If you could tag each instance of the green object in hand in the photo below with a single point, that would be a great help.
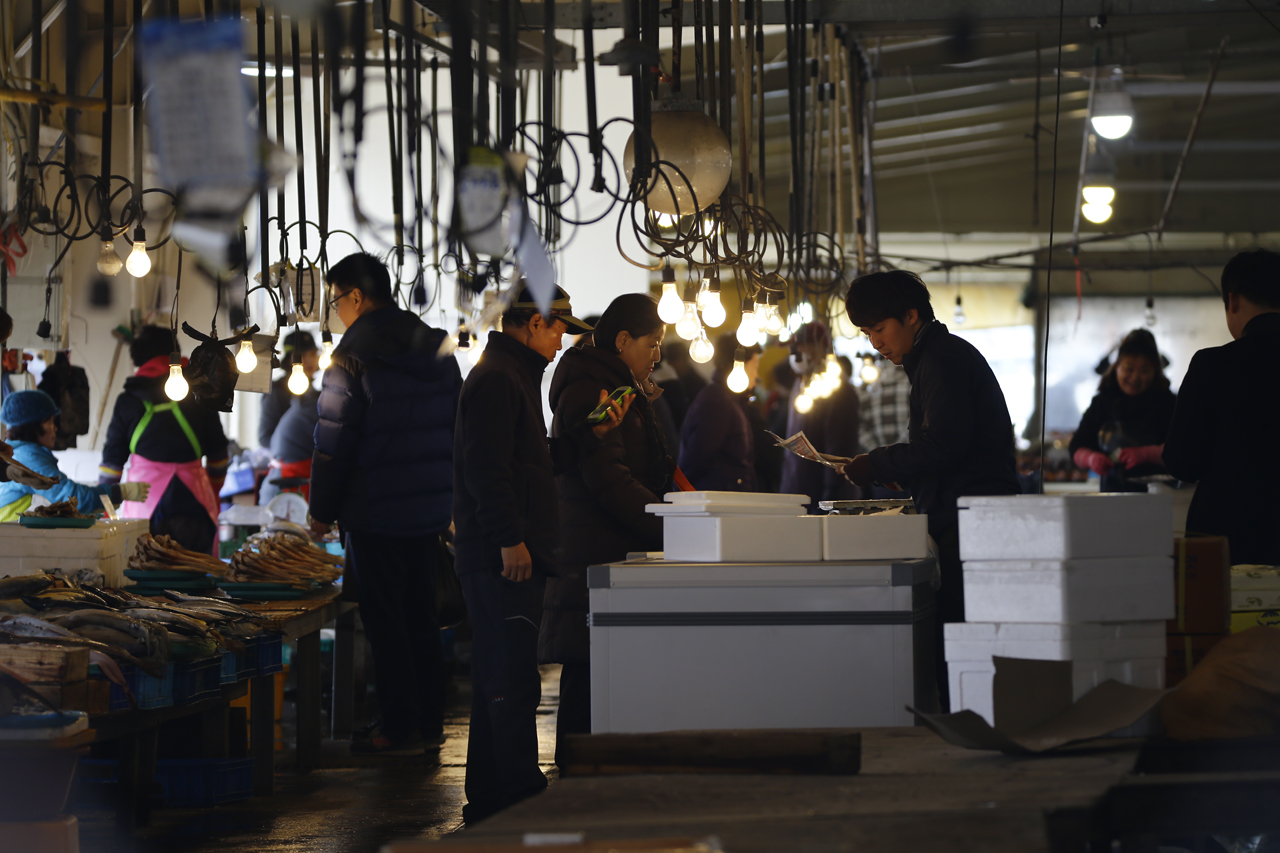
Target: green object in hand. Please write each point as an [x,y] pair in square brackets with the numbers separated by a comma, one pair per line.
[601,412]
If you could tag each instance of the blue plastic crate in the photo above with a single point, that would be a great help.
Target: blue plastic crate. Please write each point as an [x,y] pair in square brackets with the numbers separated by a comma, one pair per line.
[194,681]
[191,782]
[149,691]
[230,671]
[270,655]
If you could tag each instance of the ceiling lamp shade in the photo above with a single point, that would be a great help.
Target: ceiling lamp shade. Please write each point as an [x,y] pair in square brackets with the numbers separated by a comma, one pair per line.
[1112,113]
[685,136]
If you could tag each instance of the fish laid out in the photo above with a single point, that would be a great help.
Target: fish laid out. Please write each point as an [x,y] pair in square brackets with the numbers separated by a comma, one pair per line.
[283,558]
[162,553]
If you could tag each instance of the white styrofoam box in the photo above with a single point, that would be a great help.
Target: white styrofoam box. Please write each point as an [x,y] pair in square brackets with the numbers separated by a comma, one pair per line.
[106,546]
[738,539]
[1125,589]
[710,509]
[735,498]
[875,537]
[1059,527]
[971,682]
[980,641]
[1255,587]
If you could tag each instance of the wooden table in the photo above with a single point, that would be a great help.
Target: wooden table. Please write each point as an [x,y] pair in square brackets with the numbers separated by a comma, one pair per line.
[299,621]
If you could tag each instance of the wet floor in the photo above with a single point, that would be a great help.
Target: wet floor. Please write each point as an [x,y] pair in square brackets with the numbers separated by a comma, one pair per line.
[349,805]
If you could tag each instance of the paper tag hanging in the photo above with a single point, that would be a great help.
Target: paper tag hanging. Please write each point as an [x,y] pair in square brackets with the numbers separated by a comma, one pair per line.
[482,199]
[531,258]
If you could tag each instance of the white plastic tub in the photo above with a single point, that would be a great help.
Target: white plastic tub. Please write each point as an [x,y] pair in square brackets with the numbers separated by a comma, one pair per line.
[1060,527]
[875,537]
[1127,589]
[740,539]
[106,546]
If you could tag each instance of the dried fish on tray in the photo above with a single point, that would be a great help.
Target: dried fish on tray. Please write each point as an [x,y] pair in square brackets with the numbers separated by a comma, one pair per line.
[69,508]
[282,558]
[161,553]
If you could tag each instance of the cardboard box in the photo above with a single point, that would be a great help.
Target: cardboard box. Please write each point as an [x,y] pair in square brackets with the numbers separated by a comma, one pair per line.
[60,835]
[1185,652]
[47,664]
[1202,586]
[1243,620]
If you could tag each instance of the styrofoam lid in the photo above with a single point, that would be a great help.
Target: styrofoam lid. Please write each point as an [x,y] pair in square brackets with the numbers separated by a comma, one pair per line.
[735,497]
[1051,631]
[723,509]
[1023,502]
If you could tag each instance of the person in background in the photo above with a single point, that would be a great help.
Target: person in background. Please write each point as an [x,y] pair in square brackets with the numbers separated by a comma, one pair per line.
[604,486]
[1128,418]
[507,532]
[1225,425]
[717,446]
[177,447]
[961,435]
[831,424]
[382,471]
[29,416]
[885,415]
[276,402]
[679,377]
[6,329]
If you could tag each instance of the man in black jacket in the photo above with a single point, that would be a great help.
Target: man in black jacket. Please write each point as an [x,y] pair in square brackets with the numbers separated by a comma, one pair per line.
[382,470]
[505,515]
[1227,420]
[961,434]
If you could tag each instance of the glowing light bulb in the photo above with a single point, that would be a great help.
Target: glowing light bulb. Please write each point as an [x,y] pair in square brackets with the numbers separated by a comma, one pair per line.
[958,315]
[473,354]
[465,341]
[246,358]
[109,262]
[833,368]
[869,373]
[702,350]
[1096,213]
[775,325]
[804,404]
[670,306]
[713,313]
[1149,316]
[1099,194]
[688,326]
[704,293]
[175,387]
[139,262]
[748,329]
[298,382]
[326,355]
[1112,127]
[738,380]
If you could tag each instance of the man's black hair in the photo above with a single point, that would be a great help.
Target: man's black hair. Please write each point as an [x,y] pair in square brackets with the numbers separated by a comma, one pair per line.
[149,342]
[880,296]
[726,347]
[1255,275]
[366,272]
[300,341]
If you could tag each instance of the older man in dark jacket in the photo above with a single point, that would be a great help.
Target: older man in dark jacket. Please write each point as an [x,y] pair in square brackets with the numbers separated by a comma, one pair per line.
[383,470]
[961,434]
[1225,426]
[507,532]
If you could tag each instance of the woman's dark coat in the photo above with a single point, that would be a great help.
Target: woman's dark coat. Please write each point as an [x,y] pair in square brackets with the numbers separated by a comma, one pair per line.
[603,487]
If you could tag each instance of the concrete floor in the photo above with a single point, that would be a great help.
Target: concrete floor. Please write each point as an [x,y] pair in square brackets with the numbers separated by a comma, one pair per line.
[350,805]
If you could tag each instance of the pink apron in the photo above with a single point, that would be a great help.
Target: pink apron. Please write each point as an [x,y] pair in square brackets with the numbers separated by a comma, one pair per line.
[158,474]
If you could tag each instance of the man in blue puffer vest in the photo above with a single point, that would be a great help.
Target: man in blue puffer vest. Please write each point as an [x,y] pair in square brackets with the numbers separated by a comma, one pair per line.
[383,470]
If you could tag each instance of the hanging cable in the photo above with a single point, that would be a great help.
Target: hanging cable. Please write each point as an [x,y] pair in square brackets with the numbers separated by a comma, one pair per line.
[1048,273]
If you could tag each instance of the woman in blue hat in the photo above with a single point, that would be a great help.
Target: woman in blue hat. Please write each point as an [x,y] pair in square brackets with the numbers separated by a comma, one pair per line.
[31,433]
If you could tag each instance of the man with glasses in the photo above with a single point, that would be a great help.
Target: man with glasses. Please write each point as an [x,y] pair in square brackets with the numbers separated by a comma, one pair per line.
[383,470]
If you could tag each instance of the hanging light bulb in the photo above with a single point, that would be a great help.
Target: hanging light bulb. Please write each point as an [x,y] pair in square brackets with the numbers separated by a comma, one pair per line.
[465,341]
[869,373]
[246,358]
[774,325]
[1149,316]
[713,313]
[1099,194]
[1096,213]
[702,350]
[748,330]
[958,315]
[670,306]
[326,349]
[109,262]
[804,404]
[473,355]
[1112,112]
[298,382]
[738,380]
[175,387]
[704,292]
[139,262]
[688,326]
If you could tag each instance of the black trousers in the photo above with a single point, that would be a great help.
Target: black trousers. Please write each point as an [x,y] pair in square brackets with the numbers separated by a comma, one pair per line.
[502,752]
[396,579]
[950,605]
[574,717]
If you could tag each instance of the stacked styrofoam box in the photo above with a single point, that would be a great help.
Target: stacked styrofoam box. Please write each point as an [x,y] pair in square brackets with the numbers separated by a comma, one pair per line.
[106,546]
[880,536]
[1080,578]
[738,527]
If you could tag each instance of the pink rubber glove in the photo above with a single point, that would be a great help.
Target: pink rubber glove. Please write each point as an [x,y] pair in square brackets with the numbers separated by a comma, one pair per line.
[1097,462]
[1132,457]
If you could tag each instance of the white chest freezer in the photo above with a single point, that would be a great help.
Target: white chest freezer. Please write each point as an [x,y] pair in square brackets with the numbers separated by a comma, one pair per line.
[683,645]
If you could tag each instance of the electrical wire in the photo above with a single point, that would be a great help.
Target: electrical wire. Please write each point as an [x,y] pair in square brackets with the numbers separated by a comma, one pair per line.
[1048,275]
